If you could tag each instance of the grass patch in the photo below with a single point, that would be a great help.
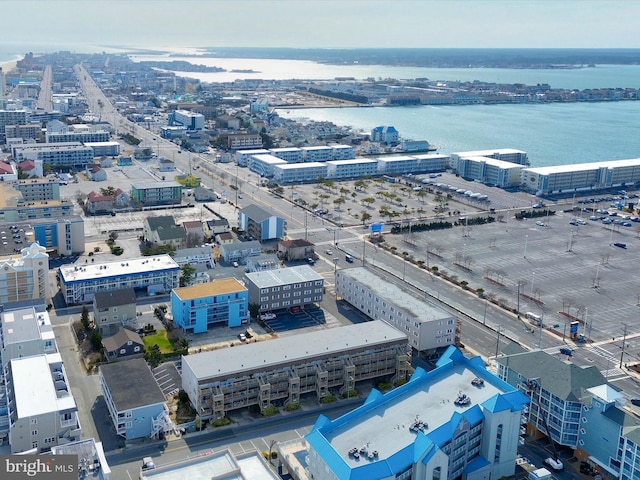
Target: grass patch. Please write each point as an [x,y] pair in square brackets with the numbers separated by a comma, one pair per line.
[270,410]
[221,422]
[159,339]
[292,406]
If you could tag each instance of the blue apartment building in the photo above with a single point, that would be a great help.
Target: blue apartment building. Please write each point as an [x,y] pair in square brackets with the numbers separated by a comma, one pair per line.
[197,307]
[456,421]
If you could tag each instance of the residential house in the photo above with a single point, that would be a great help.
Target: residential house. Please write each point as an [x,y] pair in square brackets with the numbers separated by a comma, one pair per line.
[97,203]
[260,223]
[162,230]
[125,344]
[227,238]
[297,249]
[113,309]
[8,172]
[135,402]
[195,256]
[96,173]
[166,165]
[239,251]
[194,232]
[215,226]
[30,167]
[197,307]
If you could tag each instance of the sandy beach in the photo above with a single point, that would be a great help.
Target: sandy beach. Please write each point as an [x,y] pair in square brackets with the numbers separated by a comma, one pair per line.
[8,66]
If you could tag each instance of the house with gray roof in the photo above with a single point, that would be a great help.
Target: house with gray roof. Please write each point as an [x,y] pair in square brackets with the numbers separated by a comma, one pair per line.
[239,251]
[126,344]
[113,309]
[135,402]
[261,224]
[162,230]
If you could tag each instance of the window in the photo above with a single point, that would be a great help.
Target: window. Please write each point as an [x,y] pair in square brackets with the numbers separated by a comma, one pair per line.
[296,294]
[264,290]
[286,287]
[307,292]
[122,351]
[34,444]
[318,282]
[34,421]
[136,349]
[34,433]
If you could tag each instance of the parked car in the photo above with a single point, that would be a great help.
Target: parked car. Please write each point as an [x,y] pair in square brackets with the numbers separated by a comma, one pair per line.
[267,316]
[147,463]
[242,337]
[554,463]
[349,259]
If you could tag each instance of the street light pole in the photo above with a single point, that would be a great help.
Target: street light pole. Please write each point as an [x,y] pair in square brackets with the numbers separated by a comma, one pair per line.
[484,317]
[526,240]
[498,341]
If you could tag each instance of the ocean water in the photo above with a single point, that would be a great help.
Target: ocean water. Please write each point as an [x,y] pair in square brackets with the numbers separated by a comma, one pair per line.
[551,134]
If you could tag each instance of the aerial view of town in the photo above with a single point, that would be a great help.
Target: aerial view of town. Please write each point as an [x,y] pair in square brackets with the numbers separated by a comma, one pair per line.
[197,281]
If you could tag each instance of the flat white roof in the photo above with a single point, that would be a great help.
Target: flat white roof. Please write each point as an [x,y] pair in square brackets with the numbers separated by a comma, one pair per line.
[429,156]
[283,276]
[317,147]
[294,166]
[25,324]
[89,271]
[294,349]
[495,162]
[418,308]
[33,387]
[149,185]
[432,404]
[267,158]
[578,167]
[286,149]
[353,161]
[101,144]
[400,158]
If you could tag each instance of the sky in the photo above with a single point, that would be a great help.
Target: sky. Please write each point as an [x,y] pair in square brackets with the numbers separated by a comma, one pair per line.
[79,24]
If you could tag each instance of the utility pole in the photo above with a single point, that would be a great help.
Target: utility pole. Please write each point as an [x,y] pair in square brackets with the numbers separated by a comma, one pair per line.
[498,341]
[540,333]
[624,340]
[518,304]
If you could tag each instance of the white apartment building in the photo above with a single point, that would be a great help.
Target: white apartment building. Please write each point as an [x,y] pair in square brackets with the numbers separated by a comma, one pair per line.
[25,276]
[289,154]
[490,171]
[343,169]
[426,325]
[77,136]
[299,172]
[186,118]
[343,152]
[505,154]
[398,165]
[72,154]
[42,410]
[320,153]
[263,164]
[242,156]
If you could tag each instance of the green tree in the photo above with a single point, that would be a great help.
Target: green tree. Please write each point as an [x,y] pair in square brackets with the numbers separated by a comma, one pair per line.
[267,140]
[365,216]
[153,356]
[187,274]
[254,310]
[95,339]
[84,318]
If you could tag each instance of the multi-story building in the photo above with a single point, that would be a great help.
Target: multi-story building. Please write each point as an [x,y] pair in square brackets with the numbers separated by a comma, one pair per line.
[113,309]
[260,223]
[104,148]
[263,164]
[154,274]
[581,177]
[42,410]
[385,134]
[223,300]
[67,155]
[156,193]
[288,154]
[320,153]
[343,152]
[242,156]
[25,332]
[186,118]
[25,276]
[487,170]
[286,368]
[505,154]
[135,402]
[238,251]
[62,235]
[432,162]
[299,172]
[11,117]
[39,189]
[427,326]
[343,169]
[91,458]
[243,141]
[456,421]
[81,136]
[32,131]
[285,288]
[398,165]
[195,256]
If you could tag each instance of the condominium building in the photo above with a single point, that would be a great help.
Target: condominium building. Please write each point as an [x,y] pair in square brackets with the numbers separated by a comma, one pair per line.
[11,117]
[288,154]
[320,153]
[286,173]
[261,224]
[497,173]
[67,155]
[343,169]
[42,410]
[432,162]
[81,136]
[242,156]
[398,165]
[31,131]
[25,276]
[154,274]
[221,301]
[505,154]
[156,193]
[581,177]
[186,118]
[104,148]
[39,189]
[244,140]
[135,402]
[456,421]
[284,288]
[427,326]
[263,164]
[343,152]
[283,369]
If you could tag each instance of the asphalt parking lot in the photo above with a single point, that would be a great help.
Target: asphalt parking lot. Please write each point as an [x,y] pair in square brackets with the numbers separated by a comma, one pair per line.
[287,321]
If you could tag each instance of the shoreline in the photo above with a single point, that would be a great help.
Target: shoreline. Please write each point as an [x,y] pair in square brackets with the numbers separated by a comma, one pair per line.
[9,66]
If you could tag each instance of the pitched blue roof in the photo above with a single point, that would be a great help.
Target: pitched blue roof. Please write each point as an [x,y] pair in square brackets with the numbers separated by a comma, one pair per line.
[497,403]
[476,464]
